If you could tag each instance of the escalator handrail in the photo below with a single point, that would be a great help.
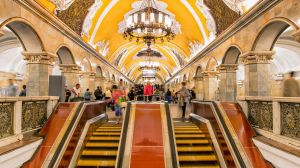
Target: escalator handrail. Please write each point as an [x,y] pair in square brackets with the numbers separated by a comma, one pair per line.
[122,143]
[213,136]
[173,147]
[237,154]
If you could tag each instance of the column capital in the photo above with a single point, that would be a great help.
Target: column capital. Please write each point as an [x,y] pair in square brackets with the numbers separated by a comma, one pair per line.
[69,68]
[295,34]
[39,57]
[87,74]
[227,67]
[209,74]
[198,78]
[257,57]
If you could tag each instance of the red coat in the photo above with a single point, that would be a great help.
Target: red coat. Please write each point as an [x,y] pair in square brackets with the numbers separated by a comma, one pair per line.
[148,90]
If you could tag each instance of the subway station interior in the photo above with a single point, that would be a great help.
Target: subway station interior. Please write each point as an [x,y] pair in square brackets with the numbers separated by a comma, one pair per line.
[150,83]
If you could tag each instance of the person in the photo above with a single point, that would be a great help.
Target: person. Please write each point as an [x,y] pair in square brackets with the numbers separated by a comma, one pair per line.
[169,96]
[184,96]
[98,93]
[68,93]
[108,97]
[290,86]
[87,95]
[173,96]
[11,88]
[76,91]
[23,91]
[148,91]
[119,99]
[131,95]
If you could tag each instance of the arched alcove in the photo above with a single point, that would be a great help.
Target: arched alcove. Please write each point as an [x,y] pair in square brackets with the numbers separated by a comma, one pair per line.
[65,55]
[212,64]
[99,72]
[231,56]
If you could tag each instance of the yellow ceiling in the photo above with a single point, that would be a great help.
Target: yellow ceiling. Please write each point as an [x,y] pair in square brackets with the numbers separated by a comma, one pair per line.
[111,13]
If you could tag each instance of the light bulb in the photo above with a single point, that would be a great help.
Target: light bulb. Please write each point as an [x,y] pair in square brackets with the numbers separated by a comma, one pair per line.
[135,19]
[151,17]
[160,17]
[143,17]
[129,21]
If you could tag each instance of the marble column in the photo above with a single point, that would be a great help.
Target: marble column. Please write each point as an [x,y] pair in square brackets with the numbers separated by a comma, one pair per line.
[228,83]
[257,72]
[87,80]
[199,87]
[210,85]
[70,72]
[39,65]
[100,81]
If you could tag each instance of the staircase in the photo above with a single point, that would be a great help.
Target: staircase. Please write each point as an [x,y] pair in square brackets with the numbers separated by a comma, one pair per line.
[194,146]
[102,146]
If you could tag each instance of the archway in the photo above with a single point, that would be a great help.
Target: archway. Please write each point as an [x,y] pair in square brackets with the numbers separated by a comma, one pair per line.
[19,41]
[210,80]
[87,76]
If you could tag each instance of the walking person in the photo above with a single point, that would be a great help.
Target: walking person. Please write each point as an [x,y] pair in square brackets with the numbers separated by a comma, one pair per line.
[184,96]
[98,93]
[169,96]
[23,91]
[67,94]
[11,88]
[290,86]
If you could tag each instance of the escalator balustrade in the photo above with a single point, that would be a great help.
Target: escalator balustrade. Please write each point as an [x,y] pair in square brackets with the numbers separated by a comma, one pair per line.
[102,146]
[194,146]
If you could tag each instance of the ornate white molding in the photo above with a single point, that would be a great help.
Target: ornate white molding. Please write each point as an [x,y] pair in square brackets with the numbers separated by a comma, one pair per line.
[235,5]
[195,47]
[39,57]
[62,4]
[227,68]
[87,24]
[210,21]
[69,68]
[103,47]
[257,57]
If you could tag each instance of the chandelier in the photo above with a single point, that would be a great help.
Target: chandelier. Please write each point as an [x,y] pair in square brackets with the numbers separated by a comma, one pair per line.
[149,53]
[149,23]
[149,65]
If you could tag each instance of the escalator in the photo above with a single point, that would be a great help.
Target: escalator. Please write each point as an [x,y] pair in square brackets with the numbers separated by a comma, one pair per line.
[101,148]
[194,146]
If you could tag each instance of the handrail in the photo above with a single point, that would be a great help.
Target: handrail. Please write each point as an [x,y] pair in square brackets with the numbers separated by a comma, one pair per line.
[175,159]
[235,150]
[213,136]
[122,143]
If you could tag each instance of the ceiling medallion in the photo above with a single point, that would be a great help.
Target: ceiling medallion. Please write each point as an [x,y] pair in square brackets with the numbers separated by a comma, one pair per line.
[150,22]
[149,65]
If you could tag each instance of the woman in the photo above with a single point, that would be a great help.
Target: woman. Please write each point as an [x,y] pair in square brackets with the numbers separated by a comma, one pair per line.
[148,91]
[169,96]
[184,96]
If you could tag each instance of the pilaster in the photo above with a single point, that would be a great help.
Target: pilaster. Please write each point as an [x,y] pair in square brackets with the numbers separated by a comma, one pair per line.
[70,72]
[228,83]
[257,72]
[39,66]
[198,80]
[210,85]
[87,81]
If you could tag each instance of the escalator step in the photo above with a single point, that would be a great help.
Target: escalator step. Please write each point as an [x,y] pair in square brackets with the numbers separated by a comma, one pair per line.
[188,131]
[96,145]
[107,133]
[105,138]
[199,166]
[193,158]
[195,149]
[198,141]
[108,130]
[97,163]
[99,153]
[183,128]
[111,127]
[190,136]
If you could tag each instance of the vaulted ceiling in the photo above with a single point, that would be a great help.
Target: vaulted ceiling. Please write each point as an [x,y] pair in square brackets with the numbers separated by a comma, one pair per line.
[97,22]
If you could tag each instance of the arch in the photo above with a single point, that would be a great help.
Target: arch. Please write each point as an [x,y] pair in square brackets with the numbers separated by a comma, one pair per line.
[86,65]
[212,64]
[270,32]
[65,55]
[113,78]
[184,78]
[25,32]
[198,71]
[232,54]
[99,72]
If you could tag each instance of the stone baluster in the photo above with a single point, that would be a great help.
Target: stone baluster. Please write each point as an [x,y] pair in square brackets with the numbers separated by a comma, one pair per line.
[210,84]
[199,87]
[228,83]
[39,65]
[257,72]
[70,72]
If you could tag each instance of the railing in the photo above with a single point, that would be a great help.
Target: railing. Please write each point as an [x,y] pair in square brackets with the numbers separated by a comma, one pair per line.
[277,115]
[19,115]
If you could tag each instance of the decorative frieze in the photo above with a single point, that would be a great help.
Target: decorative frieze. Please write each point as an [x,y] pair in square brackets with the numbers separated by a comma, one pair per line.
[295,34]
[34,114]
[260,114]
[257,57]
[290,119]
[39,58]
[6,119]
[209,74]
[227,68]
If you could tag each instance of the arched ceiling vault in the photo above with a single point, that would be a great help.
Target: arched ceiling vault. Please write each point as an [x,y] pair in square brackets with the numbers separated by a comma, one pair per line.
[97,22]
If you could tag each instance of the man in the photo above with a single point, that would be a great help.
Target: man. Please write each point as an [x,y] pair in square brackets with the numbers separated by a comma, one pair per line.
[98,93]
[76,93]
[184,96]
[131,94]
[68,93]
[11,89]
[23,91]
[290,86]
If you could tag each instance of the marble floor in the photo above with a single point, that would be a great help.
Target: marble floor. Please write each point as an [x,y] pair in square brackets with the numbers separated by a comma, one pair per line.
[174,109]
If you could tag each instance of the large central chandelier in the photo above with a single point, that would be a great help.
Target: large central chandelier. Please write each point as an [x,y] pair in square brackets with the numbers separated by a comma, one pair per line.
[149,23]
[149,65]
